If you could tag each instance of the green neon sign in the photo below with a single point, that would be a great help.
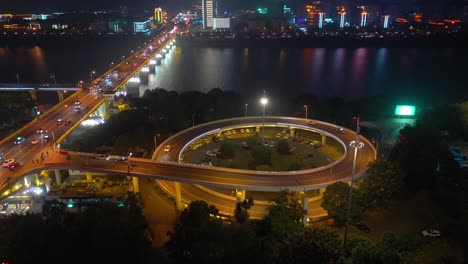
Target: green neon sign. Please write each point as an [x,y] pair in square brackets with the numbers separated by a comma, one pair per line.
[405,110]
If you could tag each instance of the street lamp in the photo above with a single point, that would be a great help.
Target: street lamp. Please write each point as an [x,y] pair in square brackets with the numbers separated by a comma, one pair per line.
[111,65]
[245,112]
[91,76]
[263,101]
[305,106]
[376,143]
[156,140]
[356,144]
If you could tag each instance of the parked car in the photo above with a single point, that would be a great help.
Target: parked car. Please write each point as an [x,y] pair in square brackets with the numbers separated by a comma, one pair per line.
[363,227]
[430,233]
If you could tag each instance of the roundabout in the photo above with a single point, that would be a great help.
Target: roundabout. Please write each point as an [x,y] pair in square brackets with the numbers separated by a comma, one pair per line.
[311,180]
[296,180]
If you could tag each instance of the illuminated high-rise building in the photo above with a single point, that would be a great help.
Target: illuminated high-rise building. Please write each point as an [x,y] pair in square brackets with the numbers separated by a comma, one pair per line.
[386,19]
[342,16]
[315,17]
[207,13]
[158,16]
[364,18]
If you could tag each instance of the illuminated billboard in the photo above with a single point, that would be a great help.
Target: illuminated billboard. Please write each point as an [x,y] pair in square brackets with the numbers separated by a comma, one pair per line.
[405,110]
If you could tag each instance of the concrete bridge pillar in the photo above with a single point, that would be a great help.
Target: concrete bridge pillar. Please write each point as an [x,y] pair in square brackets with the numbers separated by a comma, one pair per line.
[158,60]
[35,179]
[152,67]
[58,177]
[306,210]
[27,180]
[106,110]
[89,176]
[240,195]
[60,95]
[178,196]
[292,131]
[144,76]
[33,95]
[133,88]
[324,139]
[136,186]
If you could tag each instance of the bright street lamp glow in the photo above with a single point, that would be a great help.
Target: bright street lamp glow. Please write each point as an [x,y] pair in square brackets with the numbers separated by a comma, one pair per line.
[264,100]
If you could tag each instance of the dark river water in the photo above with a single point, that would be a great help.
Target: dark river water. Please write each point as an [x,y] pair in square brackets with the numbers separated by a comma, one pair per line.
[407,75]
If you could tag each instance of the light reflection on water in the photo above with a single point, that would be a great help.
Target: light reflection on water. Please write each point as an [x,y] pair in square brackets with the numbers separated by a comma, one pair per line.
[408,74]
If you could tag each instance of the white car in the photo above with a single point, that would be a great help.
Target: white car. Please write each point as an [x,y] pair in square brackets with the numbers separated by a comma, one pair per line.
[431,233]
[210,153]
[167,148]
[6,163]
[35,141]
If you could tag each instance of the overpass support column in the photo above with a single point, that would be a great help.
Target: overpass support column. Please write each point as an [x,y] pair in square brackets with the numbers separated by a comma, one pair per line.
[58,177]
[60,96]
[324,139]
[306,210]
[257,129]
[178,196]
[292,131]
[27,180]
[33,95]
[106,110]
[240,196]
[136,185]
[89,176]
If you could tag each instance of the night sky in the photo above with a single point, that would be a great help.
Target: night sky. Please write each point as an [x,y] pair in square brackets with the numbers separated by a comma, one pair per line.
[30,6]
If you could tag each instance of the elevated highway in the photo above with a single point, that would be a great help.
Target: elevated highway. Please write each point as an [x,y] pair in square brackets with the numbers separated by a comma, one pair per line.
[171,170]
[27,155]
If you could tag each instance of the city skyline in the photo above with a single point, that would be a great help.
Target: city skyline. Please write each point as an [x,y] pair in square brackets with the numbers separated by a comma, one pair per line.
[177,5]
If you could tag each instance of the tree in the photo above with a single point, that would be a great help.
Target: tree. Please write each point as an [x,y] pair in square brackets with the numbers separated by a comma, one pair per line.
[383,180]
[311,246]
[197,214]
[261,155]
[283,147]
[253,140]
[241,214]
[227,150]
[335,202]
